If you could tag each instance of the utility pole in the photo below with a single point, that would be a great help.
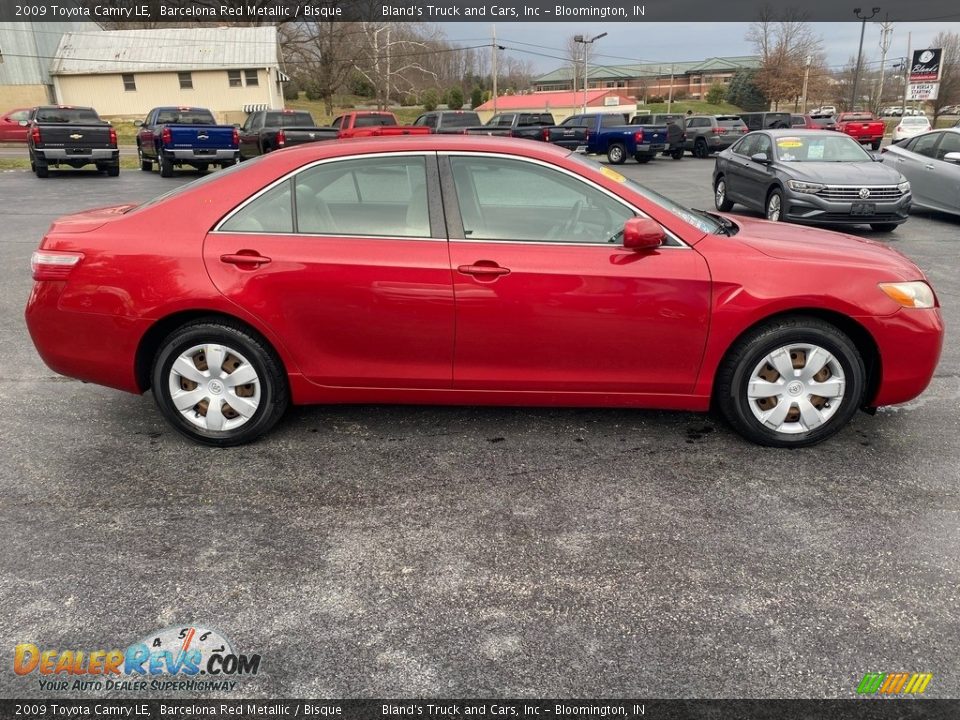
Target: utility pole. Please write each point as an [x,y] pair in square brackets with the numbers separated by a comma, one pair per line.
[493,61]
[806,79]
[856,75]
[886,33]
[670,96]
[906,71]
[585,41]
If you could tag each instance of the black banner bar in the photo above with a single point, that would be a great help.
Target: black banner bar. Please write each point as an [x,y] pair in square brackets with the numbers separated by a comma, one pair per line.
[485,11]
[513,709]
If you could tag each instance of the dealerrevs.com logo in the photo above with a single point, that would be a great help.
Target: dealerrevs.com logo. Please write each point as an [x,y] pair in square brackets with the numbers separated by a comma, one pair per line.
[177,658]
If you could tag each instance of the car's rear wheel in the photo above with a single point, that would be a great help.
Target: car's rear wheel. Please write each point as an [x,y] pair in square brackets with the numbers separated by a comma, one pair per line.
[884,227]
[616,154]
[720,199]
[677,154]
[643,159]
[774,207]
[700,149]
[113,170]
[791,382]
[218,384]
[166,165]
[875,145]
[41,169]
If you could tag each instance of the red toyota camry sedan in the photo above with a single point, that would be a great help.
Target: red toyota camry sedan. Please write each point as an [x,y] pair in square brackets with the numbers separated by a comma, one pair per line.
[468,270]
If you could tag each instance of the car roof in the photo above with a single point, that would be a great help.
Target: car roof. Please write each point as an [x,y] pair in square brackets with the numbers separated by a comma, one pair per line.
[415,143]
[788,132]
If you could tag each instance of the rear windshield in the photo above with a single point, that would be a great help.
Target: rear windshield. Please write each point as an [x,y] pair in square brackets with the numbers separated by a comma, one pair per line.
[294,119]
[185,117]
[914,120]
[858,116]
[73,116]
[460,119]
[729,122]
[373,120]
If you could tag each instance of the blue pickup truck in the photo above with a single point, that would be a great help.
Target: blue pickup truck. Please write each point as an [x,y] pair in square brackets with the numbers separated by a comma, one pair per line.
[177,136]
[608,134]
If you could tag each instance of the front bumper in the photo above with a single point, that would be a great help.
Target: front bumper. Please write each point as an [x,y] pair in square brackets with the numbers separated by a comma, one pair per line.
[909,344]
[812,209]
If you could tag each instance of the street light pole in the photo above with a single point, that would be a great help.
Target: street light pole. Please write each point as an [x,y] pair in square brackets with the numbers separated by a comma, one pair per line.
[585,41]
[856,74]
[806,79]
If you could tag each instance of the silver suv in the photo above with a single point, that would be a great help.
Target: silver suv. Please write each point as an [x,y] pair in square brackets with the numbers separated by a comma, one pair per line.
[712,133]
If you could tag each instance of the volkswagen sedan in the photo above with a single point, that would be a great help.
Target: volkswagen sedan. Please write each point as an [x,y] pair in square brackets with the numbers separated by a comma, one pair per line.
[811,177]
[467,270]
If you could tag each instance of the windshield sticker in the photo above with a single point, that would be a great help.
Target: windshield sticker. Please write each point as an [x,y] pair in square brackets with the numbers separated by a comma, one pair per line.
[612,174]
[789,142]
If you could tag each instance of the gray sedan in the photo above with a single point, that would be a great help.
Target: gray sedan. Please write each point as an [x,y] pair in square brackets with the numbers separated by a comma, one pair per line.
[813,177]
[931,162]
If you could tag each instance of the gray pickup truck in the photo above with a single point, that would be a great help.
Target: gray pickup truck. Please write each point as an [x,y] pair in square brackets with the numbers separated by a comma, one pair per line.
[73,136]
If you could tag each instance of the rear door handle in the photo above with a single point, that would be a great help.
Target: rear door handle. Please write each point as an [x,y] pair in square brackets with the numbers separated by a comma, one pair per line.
[244,259]
[929,167]
[483,267]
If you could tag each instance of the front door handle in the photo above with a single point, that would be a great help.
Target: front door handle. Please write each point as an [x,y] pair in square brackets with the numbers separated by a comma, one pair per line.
[242,258]
[929,167]
[483,268]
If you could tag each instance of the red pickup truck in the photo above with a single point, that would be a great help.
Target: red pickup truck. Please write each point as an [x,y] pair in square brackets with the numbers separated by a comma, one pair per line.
[371,123]
[863,127]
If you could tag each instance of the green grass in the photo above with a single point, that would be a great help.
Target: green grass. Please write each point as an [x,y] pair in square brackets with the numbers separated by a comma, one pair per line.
[126,163]
[699,107]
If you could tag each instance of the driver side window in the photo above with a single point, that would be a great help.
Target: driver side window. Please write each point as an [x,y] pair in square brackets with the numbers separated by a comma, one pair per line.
[505,199]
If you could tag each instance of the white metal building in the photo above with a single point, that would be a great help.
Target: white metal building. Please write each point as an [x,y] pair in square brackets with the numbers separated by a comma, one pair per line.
[125,73]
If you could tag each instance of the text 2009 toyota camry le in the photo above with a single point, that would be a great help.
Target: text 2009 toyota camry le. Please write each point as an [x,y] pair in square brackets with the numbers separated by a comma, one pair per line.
[445,269]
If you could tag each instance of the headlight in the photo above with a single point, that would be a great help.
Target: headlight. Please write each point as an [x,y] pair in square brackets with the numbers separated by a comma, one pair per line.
[916,294]
[904,187]
[804,187]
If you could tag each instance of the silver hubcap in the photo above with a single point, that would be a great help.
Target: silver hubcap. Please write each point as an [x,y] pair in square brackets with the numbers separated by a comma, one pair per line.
[773,208]
[616,153]
[796,388]
[214,387]
[721,193]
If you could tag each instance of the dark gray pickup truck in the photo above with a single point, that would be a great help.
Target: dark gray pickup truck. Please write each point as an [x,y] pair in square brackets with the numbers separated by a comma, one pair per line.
[268,130]
[530,126]
[72,136]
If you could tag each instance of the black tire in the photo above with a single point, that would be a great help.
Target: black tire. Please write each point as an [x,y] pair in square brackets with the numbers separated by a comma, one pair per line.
[228,163]
[616,154]
[643,159]
[734,377]
[876,144]
[113,170]
[700,149]
[721,201]
[272,380]
[775,196]
[884,227]
[145,165]
[166,165]
[41,168]
[677,154]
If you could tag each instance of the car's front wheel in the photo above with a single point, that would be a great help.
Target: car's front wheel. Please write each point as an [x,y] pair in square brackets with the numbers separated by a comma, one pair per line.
[774,208]
[791,382]
[720,199]
[219,384]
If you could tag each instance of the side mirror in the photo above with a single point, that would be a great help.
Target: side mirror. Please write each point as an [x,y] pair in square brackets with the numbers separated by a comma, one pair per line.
[138,123]
[952,157]
[642,233]
[23,123]
[760,158]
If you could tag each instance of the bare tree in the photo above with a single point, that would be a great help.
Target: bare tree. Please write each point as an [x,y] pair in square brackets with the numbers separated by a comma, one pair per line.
[783,41]
[392,57]
[321,56]
[949,92]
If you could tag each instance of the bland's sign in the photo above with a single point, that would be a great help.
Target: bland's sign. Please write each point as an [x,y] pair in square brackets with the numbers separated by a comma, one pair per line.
[925,65]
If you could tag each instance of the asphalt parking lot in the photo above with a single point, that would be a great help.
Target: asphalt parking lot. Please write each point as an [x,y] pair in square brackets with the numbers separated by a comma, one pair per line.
[418,552]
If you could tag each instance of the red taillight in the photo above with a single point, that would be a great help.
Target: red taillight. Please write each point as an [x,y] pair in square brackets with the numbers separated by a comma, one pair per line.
[53,265]
[545,135]
[638,136]
[113,136]
[281,138]
[166,137]
[718,130]
[35,134]
[236,137]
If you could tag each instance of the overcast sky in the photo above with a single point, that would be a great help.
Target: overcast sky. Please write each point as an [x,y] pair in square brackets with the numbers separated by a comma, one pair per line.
[665,42]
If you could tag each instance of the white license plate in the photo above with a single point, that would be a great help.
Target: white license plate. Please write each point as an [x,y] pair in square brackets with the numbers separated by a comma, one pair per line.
[581,148]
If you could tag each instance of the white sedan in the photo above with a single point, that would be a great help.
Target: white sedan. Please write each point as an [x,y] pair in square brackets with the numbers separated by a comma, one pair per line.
[911,126]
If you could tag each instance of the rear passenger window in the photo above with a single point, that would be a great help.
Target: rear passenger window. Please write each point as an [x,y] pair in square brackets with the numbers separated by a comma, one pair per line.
[272,212]
[384,197]
[924,144]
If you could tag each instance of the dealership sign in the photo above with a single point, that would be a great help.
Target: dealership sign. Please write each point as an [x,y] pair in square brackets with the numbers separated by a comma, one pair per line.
[925,65]
[922,91]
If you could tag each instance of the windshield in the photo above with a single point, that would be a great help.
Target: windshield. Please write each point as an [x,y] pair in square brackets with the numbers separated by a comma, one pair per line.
[72,116]
[704,223]
[820,148]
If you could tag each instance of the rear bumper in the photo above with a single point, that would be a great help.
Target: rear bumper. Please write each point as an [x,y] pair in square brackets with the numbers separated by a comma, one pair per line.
[195,155]
[64,155]
[909,342]
[650,148]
